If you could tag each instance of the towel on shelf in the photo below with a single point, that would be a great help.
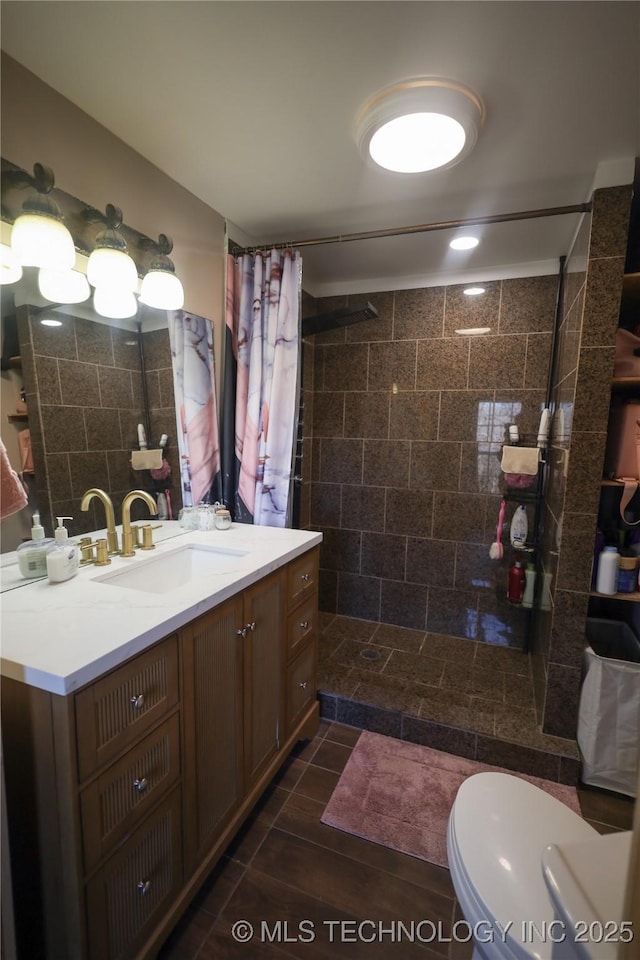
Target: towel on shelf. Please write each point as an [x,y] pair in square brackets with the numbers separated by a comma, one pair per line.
[12,493]
[520,460]
[146,459]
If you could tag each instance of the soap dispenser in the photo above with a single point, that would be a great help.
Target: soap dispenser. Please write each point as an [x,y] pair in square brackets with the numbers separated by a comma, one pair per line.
[63,558]
[31,554]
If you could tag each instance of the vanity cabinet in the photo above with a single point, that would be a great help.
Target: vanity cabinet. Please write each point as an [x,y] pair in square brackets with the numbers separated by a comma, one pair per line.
[123,795]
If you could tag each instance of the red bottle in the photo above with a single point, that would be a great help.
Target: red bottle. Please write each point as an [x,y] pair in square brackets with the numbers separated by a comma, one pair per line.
[515,589]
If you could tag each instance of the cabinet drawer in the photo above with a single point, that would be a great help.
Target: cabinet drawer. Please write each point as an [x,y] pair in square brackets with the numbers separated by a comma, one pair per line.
[129,895]
[115,803]
[301,624]
[302,578]
[301,684]
[114,712]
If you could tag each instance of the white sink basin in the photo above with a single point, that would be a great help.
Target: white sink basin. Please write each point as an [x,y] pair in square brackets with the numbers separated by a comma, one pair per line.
[161,574]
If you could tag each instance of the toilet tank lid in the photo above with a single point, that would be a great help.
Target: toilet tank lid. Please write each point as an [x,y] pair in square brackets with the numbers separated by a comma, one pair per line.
[502,824]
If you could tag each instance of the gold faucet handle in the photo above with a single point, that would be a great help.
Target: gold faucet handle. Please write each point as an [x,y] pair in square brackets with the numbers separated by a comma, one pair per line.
[86,551]
[102,553]
[147,536]
[100,558]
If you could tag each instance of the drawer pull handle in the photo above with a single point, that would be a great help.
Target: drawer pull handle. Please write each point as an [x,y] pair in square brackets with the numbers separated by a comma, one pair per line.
[144,886]
[304,624]
[305,577]
[242,632]
[303,685]
[138,701]
[141,784]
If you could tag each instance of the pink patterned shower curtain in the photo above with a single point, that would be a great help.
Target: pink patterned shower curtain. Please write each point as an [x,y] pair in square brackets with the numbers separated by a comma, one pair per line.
[196,411]
[260,398]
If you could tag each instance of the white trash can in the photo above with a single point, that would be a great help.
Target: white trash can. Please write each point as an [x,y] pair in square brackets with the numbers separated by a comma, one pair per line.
[609,712]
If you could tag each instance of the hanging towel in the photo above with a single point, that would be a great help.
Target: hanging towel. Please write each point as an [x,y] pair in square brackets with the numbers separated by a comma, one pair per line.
[12,493]
[520,460]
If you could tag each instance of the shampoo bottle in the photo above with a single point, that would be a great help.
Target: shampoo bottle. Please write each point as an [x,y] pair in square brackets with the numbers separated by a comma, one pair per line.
[607,576]
[32,554]
[63,558]
[519,527]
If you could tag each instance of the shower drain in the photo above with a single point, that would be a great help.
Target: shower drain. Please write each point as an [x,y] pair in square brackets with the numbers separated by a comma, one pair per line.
[370,654]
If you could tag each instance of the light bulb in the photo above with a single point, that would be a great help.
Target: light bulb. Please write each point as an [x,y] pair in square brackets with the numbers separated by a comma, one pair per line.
[39,240]
[108,267]
[162,289]
[63,286]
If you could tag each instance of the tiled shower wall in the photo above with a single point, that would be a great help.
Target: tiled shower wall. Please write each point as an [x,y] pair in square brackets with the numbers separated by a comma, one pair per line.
[581,386]
[407,421]
[84,395]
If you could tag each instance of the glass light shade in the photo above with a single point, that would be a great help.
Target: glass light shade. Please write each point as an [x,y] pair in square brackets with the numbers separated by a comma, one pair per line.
[10,269]
[63,286]
[417,142]
[419,124]
[162,289]
[108,267]
[38,240]
[115,304]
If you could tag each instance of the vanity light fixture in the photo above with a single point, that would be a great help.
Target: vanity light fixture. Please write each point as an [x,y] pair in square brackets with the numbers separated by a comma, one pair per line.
[423,123]
[473,291]
[10,269]
[464,243]
[39,238]
[115,304]
[63,286]
[109,264]
[161,288]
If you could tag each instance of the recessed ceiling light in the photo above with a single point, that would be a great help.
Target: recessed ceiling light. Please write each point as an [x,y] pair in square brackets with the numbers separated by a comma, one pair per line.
[421,124]
[473,291]
[464,243]
[49,322]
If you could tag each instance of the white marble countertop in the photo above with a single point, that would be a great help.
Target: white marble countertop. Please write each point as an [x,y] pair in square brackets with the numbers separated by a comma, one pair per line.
[61,636]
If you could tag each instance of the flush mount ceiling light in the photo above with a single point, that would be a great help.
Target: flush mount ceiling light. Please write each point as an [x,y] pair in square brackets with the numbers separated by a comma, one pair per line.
[421,124]
[464,243]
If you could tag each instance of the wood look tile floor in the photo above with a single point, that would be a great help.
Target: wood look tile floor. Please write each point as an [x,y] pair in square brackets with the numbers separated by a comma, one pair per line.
[286,867]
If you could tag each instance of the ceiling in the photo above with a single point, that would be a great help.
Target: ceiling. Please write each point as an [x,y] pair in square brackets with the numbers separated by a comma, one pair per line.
[251,106]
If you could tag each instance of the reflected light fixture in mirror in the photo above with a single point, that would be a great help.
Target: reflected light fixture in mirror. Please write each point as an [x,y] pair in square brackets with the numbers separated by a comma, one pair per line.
[10,269]
[421,124]
[39,237]
[115,304]
[63,286]
[160,286]
[473,291]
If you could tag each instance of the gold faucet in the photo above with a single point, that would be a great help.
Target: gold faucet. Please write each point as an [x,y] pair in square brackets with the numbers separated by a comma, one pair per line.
[127,536]
[112,537]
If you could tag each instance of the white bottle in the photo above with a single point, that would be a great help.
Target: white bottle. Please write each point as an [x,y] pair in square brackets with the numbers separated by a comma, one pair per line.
[607,575]
[32,555]
[519,527]
[63,558]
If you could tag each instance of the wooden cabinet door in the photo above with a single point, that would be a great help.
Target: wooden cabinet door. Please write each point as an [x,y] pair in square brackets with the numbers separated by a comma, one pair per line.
[263,694]
[212,710]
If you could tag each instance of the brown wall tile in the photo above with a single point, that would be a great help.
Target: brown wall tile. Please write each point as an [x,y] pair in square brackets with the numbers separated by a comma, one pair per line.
[419,314]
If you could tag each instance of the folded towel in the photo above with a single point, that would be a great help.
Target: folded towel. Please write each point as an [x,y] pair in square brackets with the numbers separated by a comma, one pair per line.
[12,492]
[146,459]
[520,460]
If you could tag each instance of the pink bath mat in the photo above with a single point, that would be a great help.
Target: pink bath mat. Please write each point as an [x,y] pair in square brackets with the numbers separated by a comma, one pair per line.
[400,794]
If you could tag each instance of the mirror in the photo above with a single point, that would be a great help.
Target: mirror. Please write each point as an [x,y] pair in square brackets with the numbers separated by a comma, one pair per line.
[88,382]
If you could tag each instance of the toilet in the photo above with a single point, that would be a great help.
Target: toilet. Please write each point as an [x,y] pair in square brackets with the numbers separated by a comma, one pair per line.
[498,830]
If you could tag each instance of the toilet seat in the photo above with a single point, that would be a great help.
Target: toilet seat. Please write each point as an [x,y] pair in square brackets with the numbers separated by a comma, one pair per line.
[498,829]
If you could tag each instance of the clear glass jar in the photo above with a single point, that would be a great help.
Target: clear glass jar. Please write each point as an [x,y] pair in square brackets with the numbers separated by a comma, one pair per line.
[222,519]
[206,517]
[188,518]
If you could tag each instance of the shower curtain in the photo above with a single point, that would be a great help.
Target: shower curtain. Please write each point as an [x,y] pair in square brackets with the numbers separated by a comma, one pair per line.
[196,413]
[260,397]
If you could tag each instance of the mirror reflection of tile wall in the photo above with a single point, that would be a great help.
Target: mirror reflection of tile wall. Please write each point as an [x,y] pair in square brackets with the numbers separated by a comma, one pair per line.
[83,382]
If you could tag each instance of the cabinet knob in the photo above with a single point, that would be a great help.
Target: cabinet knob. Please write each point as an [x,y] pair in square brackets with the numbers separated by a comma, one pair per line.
[242,632]
[251,626]
[138,701]
[141,784]
[303,685]
[143,887]
[304,624]
[305,577]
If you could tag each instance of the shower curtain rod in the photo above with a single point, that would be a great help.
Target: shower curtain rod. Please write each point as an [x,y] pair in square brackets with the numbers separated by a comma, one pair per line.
[423,228]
